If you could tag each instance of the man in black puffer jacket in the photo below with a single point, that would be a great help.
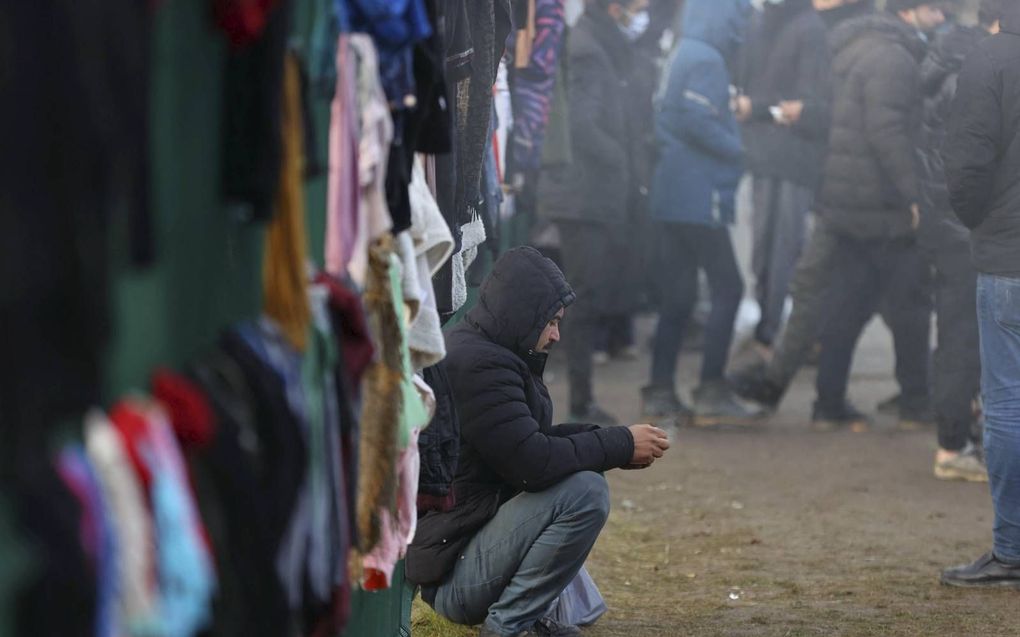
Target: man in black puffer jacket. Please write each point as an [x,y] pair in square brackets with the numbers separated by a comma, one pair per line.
[870,201]
[946,243]
[530,498]
[982,160]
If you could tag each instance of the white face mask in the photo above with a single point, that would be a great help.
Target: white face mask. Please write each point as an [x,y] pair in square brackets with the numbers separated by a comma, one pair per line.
[637,26]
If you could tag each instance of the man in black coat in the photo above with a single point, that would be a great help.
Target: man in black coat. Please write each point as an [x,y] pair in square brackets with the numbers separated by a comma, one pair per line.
[531,499]
[870,200]
[982,166]
[785,110]
[590,200]
[946,243]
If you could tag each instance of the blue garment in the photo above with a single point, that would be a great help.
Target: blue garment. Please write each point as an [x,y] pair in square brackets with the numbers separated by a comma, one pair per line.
[998,309]
[395,26]
[701,159]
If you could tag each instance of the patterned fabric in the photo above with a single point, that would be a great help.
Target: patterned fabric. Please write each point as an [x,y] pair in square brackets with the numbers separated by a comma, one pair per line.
[533,87]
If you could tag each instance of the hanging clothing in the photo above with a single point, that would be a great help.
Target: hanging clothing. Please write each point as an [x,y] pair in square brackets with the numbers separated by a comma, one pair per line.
[125,497]
[286,253]
[252,146]
[356,57]
[532,87]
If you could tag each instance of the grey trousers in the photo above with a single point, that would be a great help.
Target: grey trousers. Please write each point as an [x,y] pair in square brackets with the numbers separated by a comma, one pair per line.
[780,215]
[519,563]
[809,288]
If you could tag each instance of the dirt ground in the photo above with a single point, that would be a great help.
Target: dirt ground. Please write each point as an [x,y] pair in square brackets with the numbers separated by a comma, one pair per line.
[784,531]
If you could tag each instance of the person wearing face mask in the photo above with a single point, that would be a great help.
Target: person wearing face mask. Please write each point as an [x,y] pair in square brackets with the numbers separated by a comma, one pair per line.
[785,110]
[589,199]
[693,204]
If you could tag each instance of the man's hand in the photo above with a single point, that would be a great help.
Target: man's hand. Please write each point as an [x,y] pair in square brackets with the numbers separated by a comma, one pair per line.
[792,110]
[650,443]
[742,108]
[915,216]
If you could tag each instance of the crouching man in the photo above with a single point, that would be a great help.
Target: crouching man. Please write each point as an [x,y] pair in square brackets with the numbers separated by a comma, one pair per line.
[530,497]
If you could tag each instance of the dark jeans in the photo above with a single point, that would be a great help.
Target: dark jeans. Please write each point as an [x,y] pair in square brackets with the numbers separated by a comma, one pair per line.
[683,249]
[520,562]
[583,247]
[998,307]
[957,368]
[866,276]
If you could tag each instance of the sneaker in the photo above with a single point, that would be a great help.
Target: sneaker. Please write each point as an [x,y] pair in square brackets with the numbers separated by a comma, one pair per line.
[847,417]
[715,404]
[548,627]
[600,358]
[967,466]
[890,406]
[592,414]
[751,384]
[986,572]
[662,406]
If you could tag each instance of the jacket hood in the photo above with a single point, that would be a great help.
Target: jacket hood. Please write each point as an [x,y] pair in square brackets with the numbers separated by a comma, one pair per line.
[719,23]
[520,296]
[947,55]
[879,25]
[1010,22]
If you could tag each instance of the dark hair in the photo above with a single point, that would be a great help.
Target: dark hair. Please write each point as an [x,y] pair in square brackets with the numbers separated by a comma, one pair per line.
[990,12]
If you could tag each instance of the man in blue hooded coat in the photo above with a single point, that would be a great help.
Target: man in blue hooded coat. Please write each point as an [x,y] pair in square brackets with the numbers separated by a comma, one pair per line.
[693,200]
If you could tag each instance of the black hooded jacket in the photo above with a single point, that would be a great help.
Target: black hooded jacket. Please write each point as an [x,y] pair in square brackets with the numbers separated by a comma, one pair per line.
[508,442]
[982,150]
[939,72]
[871,175]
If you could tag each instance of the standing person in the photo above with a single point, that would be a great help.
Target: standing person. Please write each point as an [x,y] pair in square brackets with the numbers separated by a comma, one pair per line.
[591,199]
[870,199]
[946,242]
[692,198]
[531,499]
[982,161]
[785,110]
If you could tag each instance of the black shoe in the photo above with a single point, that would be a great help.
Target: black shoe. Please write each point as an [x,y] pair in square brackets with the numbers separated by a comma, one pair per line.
[986,572]
[845,417]
[662,406]
[549,628]
[592,414]
[751,384]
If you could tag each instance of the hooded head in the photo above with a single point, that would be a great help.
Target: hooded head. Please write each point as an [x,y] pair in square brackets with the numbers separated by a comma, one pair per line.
[521,295]
[719,23]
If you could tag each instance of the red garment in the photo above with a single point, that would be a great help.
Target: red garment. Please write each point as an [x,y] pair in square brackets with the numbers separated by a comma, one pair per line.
[133,427]
[242,20]
[191,417]
[351,327]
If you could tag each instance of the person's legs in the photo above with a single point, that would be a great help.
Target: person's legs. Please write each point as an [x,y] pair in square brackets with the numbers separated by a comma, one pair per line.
[764,199]
[999,321]
[957,360]
[905,278]
[852,304]
[581,254]
[520,562]
[789,216]
[809,288]
[715,253]
[677,275]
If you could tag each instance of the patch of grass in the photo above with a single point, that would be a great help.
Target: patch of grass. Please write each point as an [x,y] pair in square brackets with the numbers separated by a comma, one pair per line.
[426,623]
